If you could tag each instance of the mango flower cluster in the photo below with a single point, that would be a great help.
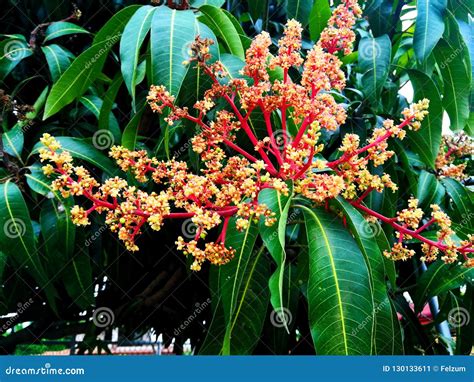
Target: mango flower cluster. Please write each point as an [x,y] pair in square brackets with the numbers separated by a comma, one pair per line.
[452,148]
[233,175]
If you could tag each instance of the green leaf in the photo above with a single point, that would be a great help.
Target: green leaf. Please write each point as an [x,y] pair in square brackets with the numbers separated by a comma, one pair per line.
[457,84]
[387,337]
[88,65]
[425,142]
[81,149]
[133,36]
[440,278]
[223,28]
[430,191]
[274,240]
[339,292]
[299,10]
[463,203]
[58,234]
[107,120]
[130,134]
[12,51]
[244,291]
[17,238]
[62,28]
[374,62]
[172,33]
[58,59]
[429,26]
[13,141]
[318,18]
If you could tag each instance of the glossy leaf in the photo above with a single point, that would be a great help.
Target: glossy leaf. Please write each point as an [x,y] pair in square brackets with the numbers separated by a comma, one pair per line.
[17,239]
[88,65]
[58,59]
[387,336]
[223,28]
[457,84]
[440,278]
[430,191]
[12,51]
[274,240]
[172,33]
[244,291]
[425,142]
[374,62]
[133,36]
[339,290]
[318,18]
[62,28]
[429,26]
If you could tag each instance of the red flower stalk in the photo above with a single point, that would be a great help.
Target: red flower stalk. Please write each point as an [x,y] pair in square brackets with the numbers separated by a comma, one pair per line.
[233,177]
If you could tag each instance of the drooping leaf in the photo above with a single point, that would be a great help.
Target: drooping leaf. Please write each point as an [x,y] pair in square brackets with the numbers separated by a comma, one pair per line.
[429,26]
[88,65]
[12,51]
[17,238]
[430,191]
[374,62]
[457,84]
[58,59]
[13,141]
[244,290]
[130,134]
[223,28]
[339,292]
[172,33]
[62,28]
[387,336]
[425,142]
[274,239]
[463,223]
[133,36]
[440,278]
